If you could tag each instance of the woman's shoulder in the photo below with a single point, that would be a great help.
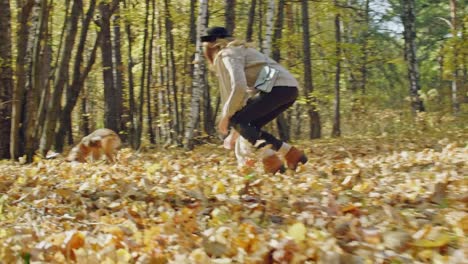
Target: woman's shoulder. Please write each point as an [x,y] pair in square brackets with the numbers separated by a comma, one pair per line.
[230,51]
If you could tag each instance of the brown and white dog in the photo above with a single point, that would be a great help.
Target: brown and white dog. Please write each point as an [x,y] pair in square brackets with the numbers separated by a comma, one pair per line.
[101,141]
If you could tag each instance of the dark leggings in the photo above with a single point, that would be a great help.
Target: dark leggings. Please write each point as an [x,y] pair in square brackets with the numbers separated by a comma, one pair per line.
[260,110]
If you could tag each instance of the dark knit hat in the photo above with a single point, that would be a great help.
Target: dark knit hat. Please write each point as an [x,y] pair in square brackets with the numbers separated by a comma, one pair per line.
[214,33]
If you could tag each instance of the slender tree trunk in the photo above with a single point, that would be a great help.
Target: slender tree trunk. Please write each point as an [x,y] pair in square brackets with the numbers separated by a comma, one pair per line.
[281,121]
[28,121]
[6,79]
[269,27]
[159,97]
[41,68]
[336,131]
[17,135]
[139,126]
[464,58]
[208,116]
[188,65]
[61,78]
[453,20]
[314,117]
[149,77]
[193,23]
[409,24]
[111,113]
[199,81]
[85,122]
[277,31]
[261,11]
[167,102]
[32,94]
[173,76]
[79,76]
[118,69]
[364,47]
[134,137]
[230,15]
[250,22]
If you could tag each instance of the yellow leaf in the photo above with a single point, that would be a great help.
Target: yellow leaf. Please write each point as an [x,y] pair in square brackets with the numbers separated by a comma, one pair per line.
[36,158]
[464,224]
[123,256]
[153,168]
[32,172]
[442,240]
[426,255]
[297,232]
[219,188]
[165,216]
[3,233]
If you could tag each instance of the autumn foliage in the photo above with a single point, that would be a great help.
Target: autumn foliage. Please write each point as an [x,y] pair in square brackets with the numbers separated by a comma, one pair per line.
[368,200]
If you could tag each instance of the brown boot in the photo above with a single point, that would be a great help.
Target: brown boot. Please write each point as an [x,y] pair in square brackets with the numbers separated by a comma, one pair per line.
[294,157]
[273,164]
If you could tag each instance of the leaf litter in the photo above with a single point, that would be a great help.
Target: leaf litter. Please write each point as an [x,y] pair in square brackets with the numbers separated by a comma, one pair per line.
[367,200]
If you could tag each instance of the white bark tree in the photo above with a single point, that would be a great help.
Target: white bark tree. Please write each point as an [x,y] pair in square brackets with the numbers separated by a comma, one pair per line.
[199,79]
[453,26]
[269,27]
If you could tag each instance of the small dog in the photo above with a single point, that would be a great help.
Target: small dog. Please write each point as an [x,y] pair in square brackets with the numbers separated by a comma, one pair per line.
[100,141]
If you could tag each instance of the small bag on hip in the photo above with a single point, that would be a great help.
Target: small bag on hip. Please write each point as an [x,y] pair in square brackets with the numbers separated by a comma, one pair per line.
[266,79]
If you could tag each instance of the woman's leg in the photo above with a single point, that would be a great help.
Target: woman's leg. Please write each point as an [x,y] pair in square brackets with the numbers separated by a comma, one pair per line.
[261,110]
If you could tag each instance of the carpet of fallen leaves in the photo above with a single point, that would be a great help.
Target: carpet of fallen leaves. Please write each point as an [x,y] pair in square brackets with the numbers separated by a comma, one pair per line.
[367,200]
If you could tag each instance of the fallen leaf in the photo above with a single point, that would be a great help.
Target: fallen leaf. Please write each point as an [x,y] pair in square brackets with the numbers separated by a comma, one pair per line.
[297,231]
[441,240]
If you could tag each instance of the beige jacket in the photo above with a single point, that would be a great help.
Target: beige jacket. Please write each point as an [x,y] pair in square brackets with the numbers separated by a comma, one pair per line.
[237,68]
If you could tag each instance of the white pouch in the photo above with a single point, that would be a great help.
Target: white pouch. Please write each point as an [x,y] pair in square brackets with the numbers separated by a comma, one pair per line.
[266,79]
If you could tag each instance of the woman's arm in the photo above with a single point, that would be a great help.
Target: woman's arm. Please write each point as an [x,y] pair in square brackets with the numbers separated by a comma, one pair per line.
[234,63]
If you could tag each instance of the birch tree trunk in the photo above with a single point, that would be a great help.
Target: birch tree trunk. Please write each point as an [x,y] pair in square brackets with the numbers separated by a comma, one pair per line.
[32,93]
[269,27]
[6,79]
[139,124]
[199,81]
[453,21]
[172,81]
[28,119]
[409,25]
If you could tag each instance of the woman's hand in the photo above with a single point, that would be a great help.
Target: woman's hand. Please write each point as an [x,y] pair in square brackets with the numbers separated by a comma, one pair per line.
[223,125]
[230,141]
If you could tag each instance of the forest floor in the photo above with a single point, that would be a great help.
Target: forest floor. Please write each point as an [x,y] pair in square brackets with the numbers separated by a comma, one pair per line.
[358,200]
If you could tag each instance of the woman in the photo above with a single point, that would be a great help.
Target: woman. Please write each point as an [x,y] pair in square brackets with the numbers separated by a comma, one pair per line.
[245,109]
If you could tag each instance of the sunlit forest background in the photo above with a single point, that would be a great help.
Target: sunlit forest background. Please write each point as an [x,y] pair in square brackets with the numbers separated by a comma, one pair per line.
[365,67]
